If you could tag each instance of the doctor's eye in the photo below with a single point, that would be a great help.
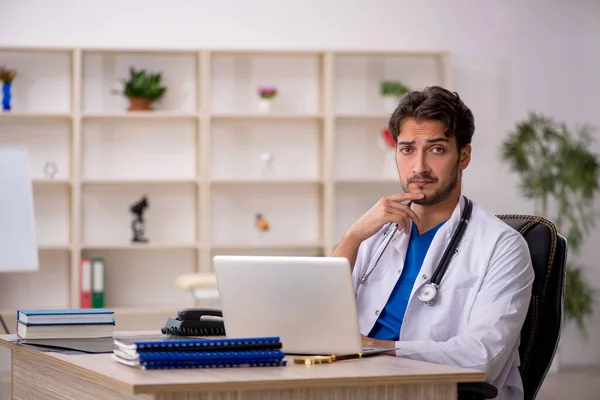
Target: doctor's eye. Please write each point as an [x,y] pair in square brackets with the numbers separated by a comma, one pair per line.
[438,150]
[405,150]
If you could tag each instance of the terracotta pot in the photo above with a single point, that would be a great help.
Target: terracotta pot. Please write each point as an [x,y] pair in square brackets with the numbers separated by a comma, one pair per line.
[139,104]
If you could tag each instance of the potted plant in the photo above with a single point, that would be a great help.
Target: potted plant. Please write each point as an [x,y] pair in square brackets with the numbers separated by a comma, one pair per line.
[392,92]
[559,173]
[266,95]
[7,76]
[143,89]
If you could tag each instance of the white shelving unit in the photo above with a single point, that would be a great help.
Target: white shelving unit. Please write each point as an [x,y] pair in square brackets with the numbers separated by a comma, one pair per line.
[199,159]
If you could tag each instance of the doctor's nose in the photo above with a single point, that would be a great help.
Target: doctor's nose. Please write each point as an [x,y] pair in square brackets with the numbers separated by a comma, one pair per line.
[420,165]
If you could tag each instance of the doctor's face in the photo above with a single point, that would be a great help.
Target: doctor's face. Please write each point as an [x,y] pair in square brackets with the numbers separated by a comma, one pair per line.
[428,161]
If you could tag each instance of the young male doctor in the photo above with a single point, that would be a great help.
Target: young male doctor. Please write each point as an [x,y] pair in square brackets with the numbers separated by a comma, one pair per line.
[472,315]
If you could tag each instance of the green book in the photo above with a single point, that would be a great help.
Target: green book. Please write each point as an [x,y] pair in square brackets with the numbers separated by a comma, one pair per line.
[98,275]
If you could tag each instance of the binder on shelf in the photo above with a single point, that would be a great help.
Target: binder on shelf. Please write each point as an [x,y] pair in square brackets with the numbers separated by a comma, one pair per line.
[98,274]
[85,283]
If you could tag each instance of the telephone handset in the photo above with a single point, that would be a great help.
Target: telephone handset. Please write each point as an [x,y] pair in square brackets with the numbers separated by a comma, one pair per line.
[195,322]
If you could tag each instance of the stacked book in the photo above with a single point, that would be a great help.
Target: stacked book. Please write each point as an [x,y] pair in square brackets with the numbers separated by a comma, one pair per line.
[174,353]
[65,323]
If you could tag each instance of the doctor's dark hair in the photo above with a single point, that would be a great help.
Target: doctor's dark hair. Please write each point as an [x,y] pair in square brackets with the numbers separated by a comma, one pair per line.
[435,103]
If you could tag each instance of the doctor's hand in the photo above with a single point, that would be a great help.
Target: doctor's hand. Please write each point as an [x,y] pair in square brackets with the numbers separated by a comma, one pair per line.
[386,344]
[387,209]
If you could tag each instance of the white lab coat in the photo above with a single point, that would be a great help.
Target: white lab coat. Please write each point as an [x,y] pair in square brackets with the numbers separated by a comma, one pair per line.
[481,304]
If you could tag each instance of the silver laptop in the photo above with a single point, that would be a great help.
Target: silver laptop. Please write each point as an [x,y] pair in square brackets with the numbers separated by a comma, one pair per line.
[307,301]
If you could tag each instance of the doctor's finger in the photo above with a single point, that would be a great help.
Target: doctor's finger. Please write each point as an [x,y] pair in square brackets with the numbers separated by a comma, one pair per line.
[400,218]
[405,209]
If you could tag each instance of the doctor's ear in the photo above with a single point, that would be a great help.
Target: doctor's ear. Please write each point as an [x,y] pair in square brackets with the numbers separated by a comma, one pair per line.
[465,156]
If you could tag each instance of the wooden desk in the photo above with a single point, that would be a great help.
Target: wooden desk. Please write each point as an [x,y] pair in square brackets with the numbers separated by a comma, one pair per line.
[50,375]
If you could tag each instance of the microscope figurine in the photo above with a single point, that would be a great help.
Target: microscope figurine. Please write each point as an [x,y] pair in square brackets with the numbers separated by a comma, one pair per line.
[137,225]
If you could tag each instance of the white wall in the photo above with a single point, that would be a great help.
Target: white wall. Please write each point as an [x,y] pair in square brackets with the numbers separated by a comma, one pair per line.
[509,57]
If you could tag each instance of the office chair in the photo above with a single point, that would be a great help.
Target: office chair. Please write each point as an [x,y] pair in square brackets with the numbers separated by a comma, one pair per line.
[541,331]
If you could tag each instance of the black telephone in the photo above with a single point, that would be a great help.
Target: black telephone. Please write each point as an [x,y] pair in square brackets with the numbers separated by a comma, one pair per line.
[195,322]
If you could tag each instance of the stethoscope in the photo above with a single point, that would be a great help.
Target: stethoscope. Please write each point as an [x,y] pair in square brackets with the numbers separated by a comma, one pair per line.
[428,293]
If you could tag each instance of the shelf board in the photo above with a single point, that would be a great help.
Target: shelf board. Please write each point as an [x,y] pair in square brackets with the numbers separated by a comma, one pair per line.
[40,181]
[165,181]
[139,246]
[391,53]
[230,182]
[147,310]
[274,246]
[140,50]
[363,116]
[45,247]
[266,116]
[17,115]
[367,181]
[139,115]
[267,52]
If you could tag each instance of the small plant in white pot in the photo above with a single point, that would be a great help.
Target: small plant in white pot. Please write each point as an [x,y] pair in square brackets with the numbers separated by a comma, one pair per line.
[266,96]
[391,93]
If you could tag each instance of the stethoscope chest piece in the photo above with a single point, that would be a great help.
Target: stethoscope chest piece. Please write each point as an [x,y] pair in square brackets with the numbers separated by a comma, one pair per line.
[428,294]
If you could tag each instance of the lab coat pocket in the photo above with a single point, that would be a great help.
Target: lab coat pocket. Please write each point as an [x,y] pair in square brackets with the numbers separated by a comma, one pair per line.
[452,313]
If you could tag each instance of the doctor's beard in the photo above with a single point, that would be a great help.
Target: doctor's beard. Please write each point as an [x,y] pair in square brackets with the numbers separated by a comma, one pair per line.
[440,194]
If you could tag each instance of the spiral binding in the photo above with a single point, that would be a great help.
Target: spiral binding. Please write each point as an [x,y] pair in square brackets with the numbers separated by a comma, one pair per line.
[211,356]
[218,364]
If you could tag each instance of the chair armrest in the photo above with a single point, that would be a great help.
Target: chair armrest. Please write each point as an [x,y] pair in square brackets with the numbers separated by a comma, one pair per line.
[476,391]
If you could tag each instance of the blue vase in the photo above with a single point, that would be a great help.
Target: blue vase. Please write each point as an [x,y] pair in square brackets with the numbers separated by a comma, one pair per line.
[6,96]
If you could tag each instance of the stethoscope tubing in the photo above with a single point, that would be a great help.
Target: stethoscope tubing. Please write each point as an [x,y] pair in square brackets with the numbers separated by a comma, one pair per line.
[442,266]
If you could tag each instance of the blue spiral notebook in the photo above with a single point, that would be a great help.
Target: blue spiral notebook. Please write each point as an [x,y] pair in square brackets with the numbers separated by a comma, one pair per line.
[199,353]
[204,359]
[137,345]
[200,364]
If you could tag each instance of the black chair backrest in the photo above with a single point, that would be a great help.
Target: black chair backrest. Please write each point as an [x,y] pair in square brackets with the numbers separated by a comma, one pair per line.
[541,331]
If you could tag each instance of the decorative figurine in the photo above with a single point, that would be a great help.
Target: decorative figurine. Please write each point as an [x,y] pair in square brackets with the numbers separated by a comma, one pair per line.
[261,223]
[137,225]
[50,169]
[267,159]
[7,76]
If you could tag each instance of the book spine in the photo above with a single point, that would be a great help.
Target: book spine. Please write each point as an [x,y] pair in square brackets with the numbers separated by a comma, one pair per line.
[85,284]
[98,274]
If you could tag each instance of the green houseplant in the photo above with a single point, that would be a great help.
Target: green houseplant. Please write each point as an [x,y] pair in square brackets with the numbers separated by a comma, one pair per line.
[391,92]
[561,175]
[142,89]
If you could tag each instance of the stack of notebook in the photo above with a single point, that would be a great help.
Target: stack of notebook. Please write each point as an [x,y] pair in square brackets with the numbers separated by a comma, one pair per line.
[65,323]
[173,353]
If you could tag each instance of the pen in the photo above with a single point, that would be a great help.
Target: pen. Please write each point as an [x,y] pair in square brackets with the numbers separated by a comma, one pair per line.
[310,360]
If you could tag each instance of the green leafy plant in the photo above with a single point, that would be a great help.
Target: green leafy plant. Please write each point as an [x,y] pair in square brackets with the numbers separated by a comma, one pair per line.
[559,173]
[142,84]
[394,88]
